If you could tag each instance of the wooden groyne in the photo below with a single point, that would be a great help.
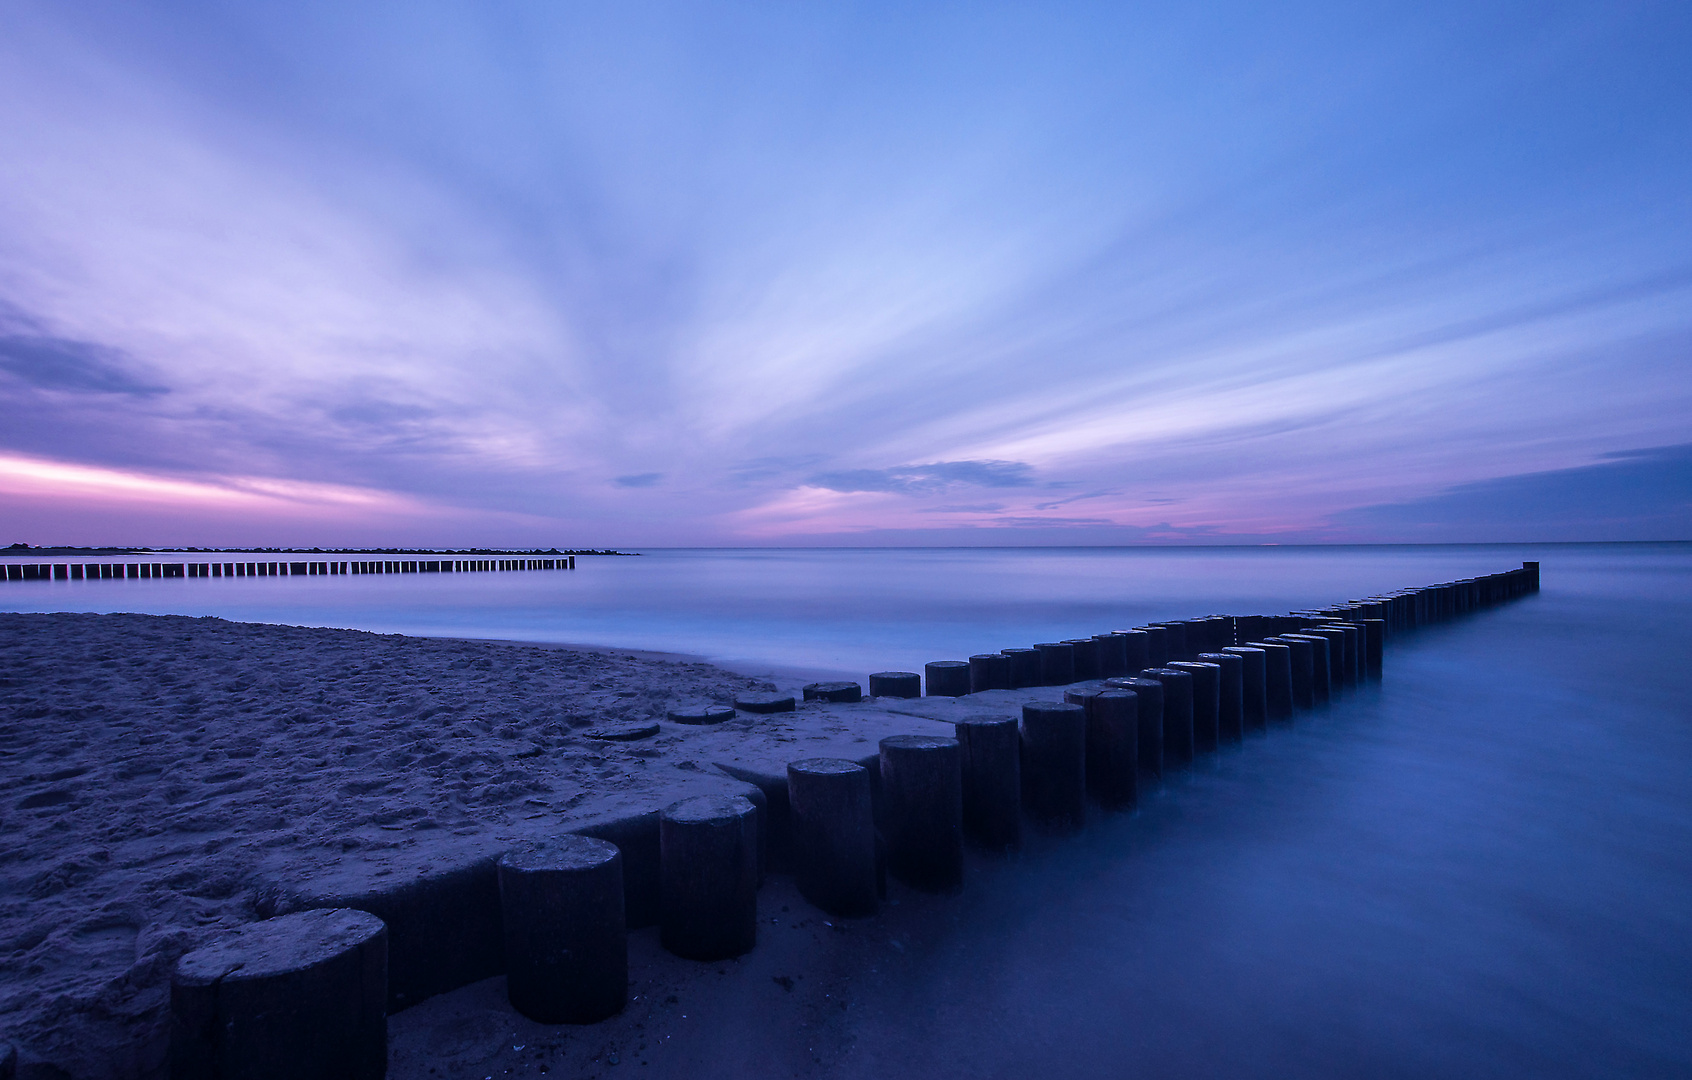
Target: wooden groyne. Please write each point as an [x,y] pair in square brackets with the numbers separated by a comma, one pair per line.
[122,571]
[1066,730]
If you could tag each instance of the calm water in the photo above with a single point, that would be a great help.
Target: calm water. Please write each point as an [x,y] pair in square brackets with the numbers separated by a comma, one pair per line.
[846,611]
[1483,868]
[1480,868]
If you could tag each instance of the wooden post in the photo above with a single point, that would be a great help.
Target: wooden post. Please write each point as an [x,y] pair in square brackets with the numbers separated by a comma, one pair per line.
[566,944]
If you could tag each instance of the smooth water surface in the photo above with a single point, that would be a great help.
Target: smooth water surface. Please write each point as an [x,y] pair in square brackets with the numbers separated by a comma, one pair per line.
[850,611]
[1483,868]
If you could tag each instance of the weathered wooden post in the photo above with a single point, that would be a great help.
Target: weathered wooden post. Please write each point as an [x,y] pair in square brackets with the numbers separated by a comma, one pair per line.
[297,997]
[708,863]
[922,800]
[1054,765]
[833,835]
[566,944]
[990,753]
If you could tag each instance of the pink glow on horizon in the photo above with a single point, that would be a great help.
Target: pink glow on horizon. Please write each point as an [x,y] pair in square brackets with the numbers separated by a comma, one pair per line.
[334,276]
[34,477]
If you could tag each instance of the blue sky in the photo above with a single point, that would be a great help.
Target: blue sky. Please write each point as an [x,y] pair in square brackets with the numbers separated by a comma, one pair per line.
[684,274]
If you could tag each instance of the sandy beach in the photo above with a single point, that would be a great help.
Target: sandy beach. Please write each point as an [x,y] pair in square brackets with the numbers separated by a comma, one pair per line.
[157,767]
[170,776]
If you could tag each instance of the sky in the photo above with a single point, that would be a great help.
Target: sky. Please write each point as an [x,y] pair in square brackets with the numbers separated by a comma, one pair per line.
[596,274]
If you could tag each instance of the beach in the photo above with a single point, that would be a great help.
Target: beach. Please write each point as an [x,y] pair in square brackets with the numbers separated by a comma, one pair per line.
[163,772]
[169,777]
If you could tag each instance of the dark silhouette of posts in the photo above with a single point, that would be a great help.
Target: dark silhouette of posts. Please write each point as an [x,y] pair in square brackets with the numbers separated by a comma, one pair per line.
[1113,655]
[708,870]
[899,684]
[1254,689]
[1321,657]
[1136,644]
[1157,645]
[1086,654]
[764,701]
[1353,652]
[1339,673]
[922,803]
[1054,765]
[1177,714]
[833,691]
[1231,712]
[1175,636]
[1150,695]
[1373,646]
[947,678]
[1057,663]
[1024,667]
[300,996]
[1303,670]
[566,943]
[989,671]
[1207,703]
[1113,748]
[833,831]
[1277,678]
[990,752]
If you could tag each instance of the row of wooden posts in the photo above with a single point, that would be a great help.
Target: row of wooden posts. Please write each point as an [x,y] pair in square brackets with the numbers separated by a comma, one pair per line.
[108,571]
[310,987]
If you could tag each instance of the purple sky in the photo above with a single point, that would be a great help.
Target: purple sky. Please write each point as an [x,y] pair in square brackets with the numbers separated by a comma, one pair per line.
[643,274]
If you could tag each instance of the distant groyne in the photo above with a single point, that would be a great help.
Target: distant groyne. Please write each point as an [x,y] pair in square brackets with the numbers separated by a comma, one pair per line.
[128,571]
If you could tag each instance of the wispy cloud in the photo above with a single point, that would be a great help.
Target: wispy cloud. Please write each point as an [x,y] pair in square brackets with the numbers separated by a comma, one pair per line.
[75,366]
[925,479]
[659,277]
[1634,495]
[26,476]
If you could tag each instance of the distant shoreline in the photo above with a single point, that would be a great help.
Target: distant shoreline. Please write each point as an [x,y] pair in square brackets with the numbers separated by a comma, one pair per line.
[19,551]
[99,551]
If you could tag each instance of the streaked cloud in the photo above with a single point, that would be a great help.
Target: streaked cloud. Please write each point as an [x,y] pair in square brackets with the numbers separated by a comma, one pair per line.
[25,476]
[75,366]
[1635,495]
[934,477]
[651,274]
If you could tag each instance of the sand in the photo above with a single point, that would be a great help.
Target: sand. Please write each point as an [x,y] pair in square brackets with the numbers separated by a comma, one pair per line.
[167,776]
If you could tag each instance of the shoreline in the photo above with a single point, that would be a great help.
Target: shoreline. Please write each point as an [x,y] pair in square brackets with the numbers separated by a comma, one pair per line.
[171,776]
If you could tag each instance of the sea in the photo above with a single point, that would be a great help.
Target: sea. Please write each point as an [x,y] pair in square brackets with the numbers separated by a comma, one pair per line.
[1480,866]
[840,612]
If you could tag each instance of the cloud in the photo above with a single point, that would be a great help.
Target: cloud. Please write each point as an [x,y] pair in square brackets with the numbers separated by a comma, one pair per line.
[1051,522]
[34,477]
[1021,260]
[80,367]
[1643,494]
[933,477]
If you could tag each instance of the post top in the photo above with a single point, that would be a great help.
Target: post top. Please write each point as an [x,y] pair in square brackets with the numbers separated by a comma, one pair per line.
[566,852]
[286,943]
[702,809]
[823,766]
[918,742]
